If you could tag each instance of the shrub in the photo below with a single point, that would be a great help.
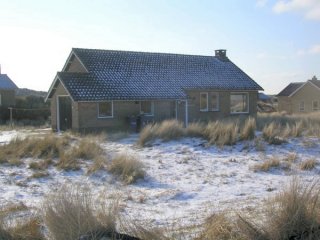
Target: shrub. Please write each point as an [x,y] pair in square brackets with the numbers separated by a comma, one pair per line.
[308,164]
[248,130]
[128,168]
[170,130]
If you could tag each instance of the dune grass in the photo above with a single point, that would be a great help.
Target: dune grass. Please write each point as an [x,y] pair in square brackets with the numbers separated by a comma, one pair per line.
[127,167]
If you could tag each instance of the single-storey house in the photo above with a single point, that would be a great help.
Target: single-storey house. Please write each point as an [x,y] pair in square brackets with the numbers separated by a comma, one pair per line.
[7,91]
[111,89]
[300,97]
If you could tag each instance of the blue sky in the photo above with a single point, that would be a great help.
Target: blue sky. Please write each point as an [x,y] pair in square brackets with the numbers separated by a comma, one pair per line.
[273,41]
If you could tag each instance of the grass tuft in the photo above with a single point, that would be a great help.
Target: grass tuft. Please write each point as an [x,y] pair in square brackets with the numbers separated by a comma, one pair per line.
[128,168]
[308,164]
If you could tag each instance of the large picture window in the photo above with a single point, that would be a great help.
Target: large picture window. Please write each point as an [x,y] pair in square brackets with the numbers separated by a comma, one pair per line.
[146,107]
[105,109]
[204,102]
[214,101]
[239,103]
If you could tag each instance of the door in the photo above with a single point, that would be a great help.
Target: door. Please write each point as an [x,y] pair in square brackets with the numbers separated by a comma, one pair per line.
[65,113]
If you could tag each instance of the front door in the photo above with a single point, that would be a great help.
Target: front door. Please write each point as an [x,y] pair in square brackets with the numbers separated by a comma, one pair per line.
[65,113]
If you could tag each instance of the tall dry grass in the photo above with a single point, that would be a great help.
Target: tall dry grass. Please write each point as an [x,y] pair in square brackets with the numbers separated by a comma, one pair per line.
[221,133]
[70,214]
[128,168]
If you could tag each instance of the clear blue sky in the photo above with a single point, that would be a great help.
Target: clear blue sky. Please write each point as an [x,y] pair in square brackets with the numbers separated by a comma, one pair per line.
[273,41]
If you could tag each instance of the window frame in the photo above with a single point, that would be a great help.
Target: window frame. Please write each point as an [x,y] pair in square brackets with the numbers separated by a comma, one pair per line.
[315,109]
[152,109]
[302,106]
[103,116]
[247,102]
[218,102]
[207,103]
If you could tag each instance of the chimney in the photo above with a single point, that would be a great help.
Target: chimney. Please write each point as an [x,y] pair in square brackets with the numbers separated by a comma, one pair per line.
[221,54]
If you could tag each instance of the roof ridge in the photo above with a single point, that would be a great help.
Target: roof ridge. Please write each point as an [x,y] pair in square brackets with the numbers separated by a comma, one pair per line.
[144,52]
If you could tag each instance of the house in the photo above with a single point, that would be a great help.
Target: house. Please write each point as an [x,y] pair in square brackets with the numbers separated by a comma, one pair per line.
[300,97]
[7,91]
[109,89]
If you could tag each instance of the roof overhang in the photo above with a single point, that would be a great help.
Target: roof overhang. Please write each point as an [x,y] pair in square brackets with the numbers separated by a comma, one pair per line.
[54,86]
[69,60]
[299,88]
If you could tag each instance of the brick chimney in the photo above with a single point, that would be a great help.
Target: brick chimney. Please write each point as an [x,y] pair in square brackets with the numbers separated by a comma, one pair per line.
[221,54]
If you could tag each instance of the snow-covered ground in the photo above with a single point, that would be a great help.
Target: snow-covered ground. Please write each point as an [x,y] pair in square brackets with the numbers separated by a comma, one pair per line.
[185,182]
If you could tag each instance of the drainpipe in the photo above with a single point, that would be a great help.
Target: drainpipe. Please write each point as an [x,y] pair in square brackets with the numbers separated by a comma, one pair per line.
[186,113]
[176,109]
[58,115]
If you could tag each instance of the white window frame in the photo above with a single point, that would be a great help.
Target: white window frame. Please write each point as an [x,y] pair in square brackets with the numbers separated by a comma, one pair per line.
[218,101]
[313,108]
[203,109]
[152,109]
[238,93]
[302,106]
[98,107]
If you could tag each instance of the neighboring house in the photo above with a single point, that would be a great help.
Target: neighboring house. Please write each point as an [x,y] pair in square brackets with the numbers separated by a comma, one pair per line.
[108,89]
[264,98]
[300,97]
[7,91]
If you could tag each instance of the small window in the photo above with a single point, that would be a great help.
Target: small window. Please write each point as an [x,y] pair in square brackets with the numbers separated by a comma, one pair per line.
[301,106]
[214,103]
[239,103]
[315,105]
[146,107]
[203,101]
[105,109]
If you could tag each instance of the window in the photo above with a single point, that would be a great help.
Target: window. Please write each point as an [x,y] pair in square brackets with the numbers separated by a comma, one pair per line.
[315,105]
[203,101]
[239,103]
[146,107]
[301,106]
[105,109]
[214,103]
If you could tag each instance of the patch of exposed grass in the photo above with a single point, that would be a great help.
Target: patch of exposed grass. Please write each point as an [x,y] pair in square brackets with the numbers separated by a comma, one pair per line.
[68,162]
[127,167]
[40,164]
[99,163]
[219,227]
[148,134]
[87,149]
[267,165]
[308,164]
[40,174]
[291,157]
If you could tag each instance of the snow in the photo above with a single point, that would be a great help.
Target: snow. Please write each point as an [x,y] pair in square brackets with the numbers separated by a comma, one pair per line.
[186,180]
